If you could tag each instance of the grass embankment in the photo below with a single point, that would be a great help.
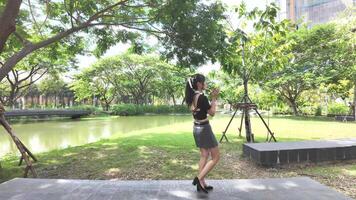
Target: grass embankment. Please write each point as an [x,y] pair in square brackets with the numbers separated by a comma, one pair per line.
[169,152]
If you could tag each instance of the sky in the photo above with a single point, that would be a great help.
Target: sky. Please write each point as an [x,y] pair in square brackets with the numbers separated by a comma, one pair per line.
[87,60]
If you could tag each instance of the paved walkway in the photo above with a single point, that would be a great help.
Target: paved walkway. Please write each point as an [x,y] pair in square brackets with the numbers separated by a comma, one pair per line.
[300,188]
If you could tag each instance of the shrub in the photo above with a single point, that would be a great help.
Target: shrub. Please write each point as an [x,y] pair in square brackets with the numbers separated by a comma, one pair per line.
[318,111]
[281,110]
[337,109]
[132,109]
[125,109]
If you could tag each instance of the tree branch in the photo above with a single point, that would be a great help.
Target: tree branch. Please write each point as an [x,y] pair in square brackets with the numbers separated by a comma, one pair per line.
[7,21]
[14,59]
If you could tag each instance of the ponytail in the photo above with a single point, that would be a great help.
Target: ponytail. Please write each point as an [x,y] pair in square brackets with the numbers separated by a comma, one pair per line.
[191,87]
[189,92]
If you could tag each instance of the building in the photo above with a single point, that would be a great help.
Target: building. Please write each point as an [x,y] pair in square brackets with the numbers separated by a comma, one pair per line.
[312,11]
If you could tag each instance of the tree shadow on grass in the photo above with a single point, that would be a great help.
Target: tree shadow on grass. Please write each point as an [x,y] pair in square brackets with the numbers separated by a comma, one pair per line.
[150,156]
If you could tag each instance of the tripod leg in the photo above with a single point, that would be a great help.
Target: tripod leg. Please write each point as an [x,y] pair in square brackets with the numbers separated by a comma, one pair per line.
[227,127]
[21,159]
[223,136]
[19,145]
[269,130]
[28,152]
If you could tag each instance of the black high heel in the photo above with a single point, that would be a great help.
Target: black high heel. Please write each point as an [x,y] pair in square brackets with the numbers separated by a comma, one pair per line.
[209,187]
[199,186]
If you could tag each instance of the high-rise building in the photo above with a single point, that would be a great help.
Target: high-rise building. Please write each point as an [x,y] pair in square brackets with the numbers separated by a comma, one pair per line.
[312,11]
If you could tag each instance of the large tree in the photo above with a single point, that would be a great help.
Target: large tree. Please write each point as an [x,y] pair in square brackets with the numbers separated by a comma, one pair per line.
[319,55]
[252,54]
[132,76]
[108,22]
[32,69]
[53,87]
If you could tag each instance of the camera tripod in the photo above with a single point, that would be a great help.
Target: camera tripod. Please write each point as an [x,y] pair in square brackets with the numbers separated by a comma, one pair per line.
[246,106]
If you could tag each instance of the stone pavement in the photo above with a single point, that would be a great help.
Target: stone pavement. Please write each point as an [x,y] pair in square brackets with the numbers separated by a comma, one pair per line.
[300,188]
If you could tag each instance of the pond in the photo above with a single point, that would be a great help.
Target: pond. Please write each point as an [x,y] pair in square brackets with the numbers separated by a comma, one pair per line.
[43,136]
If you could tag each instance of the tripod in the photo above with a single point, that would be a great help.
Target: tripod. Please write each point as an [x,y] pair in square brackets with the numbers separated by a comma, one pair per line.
[246,106]
[25,153]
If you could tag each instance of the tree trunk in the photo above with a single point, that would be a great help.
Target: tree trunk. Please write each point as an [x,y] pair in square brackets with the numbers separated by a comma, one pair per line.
[174,99]
[8,20]
[46,101]
[249,136]
[293,106]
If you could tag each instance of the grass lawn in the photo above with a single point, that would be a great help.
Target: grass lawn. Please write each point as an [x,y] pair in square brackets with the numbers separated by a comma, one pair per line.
[168,152]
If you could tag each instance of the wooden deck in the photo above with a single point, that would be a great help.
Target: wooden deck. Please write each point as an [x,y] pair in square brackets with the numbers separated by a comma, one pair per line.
[46,113]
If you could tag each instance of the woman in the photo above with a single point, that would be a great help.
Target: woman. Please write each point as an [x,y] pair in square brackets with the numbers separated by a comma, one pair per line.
[203,134]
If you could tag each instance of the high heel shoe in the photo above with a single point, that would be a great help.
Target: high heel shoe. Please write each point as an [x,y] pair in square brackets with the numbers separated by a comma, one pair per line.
[209,187]
[199,186]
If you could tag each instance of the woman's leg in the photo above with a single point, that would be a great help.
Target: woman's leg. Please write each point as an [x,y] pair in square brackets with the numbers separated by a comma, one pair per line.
[204,156]
[215,155]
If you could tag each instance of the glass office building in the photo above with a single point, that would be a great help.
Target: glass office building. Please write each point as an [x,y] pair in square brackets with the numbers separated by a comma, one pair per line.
[312,11]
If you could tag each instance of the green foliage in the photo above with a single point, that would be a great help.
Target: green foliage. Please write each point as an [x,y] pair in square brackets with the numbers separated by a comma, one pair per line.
[195,29]
[130,78]
[230,86]
[90,108]
[254,55]
[337,109]
[281,109]
[312,58]
[52,85]
[133,109]
[190,31]
[125,109]
[318,111]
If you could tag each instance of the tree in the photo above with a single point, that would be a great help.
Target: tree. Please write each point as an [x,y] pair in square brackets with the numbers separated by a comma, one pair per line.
[252,56]
[318,54]
[108,22]
[33,68]
[8,20]
[346,53]
[171,82]
[96,81]
[130,78]
[52,86]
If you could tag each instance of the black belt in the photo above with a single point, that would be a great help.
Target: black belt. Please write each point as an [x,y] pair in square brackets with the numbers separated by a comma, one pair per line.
[201,123]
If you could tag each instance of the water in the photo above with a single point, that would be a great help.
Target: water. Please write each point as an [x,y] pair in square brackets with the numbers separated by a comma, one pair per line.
[44,136]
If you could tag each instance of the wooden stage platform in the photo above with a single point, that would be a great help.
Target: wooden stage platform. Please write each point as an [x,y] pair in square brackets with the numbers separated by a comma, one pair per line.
[271,154]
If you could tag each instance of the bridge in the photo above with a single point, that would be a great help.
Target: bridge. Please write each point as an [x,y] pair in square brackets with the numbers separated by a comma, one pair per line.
[46,113]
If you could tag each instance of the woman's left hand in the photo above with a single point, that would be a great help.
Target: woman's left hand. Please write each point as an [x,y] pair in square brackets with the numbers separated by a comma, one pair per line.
[215,93]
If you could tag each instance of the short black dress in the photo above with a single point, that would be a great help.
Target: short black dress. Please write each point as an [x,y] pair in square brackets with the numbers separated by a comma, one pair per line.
[203,134]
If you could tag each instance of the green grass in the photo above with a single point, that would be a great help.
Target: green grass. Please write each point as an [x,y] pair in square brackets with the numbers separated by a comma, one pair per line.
[169,152]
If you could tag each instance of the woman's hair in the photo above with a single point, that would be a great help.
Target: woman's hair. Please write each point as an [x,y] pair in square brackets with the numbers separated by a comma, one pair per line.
[191,87]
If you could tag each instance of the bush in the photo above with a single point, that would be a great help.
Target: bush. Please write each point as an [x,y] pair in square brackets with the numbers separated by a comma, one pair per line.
[132,109]
[281,110]
[337,109]
[125,109]
[318,111]
[90,108]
